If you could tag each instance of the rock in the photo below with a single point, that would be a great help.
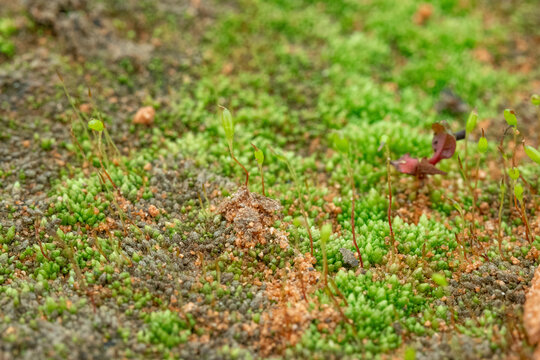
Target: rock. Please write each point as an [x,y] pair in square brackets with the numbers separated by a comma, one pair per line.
[349,260]
[144,116]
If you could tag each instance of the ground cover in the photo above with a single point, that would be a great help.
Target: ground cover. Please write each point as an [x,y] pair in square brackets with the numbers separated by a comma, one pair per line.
[127,230]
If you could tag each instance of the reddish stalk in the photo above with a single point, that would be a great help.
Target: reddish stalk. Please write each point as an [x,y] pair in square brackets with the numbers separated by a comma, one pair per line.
[303,287]
[352,223]
[392,236]
[261,170]
[340,294]
[338,307]
[36,225]
[307,227]
[523,214]
[304,214]
[499,232]
[243,168]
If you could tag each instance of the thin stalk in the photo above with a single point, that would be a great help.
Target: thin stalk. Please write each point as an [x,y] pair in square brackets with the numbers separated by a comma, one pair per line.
[525,221]
[300,195]
[108,138]
[262,179]
[353,187]
[304,214]
[303,287]
[72,103]
[36,226]
[388,180]
[260,169]
[205,195]
[325,262]
[499,232]
[473,195]
[218,272]
[460,242]
[340,294]
[475,198]
[243,168]
[515,147]
[338,307]
[99,248]
[466,153]
[70,253]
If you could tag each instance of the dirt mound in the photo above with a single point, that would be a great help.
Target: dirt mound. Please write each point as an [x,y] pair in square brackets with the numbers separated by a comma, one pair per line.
[252,216]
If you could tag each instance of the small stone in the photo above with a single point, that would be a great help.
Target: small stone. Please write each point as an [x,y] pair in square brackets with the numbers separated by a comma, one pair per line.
[349,259]
[85,108]
[144,116]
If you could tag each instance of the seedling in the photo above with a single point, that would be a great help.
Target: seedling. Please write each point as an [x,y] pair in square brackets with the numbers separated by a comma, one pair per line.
[326,231]
[69,251]
[518,194]
[384,143]
[342,145]
[103,128]
[501,204]
[37,227]
[462,214]
[443,145]
[511,120]
[259,156]
[99,128]
[469,128]
[227,123]
[482,148]
[532,153]
[535,99]
[513,173]
[78,116]
[300,194]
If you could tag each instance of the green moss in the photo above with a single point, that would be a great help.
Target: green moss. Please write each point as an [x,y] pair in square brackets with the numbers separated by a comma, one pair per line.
[165,328]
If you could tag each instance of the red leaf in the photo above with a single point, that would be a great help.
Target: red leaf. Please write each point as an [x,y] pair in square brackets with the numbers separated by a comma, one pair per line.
[406,164]
[443,143]
[420,169]
[427,168]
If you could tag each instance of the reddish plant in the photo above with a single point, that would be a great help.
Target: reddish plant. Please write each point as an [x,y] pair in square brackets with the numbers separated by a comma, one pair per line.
[444,147]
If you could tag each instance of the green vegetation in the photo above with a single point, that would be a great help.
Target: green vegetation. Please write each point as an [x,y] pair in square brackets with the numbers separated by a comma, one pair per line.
[7,30]
[149,239]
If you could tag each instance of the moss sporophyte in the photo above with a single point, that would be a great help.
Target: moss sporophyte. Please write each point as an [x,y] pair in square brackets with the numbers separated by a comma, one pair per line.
[227,123]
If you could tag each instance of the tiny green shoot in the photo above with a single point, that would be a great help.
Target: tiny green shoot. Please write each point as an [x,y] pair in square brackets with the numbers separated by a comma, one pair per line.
[439,279]
[535,99]
[227,122]
[532,153]
[510,117]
